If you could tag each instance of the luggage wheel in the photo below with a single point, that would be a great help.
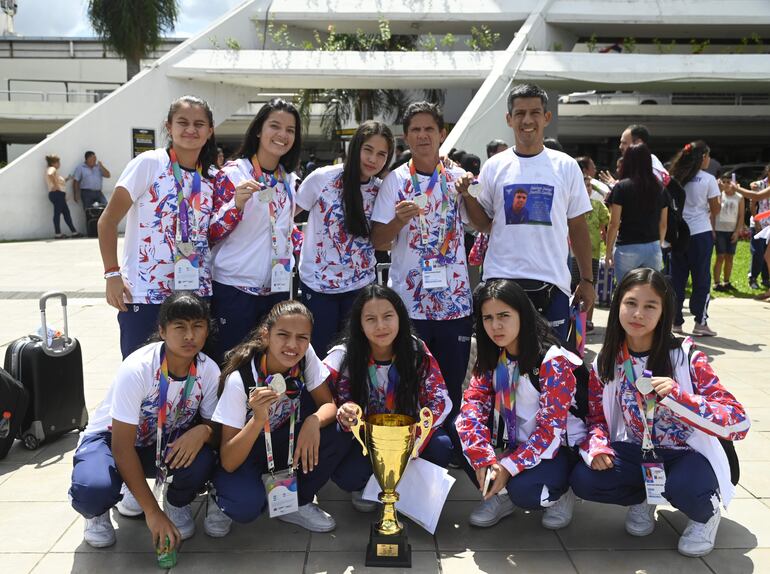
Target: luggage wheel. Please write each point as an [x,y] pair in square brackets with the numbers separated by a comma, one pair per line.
[31,442]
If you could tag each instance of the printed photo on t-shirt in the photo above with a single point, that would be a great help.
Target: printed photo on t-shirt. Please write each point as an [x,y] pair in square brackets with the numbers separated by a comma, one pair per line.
[528,203]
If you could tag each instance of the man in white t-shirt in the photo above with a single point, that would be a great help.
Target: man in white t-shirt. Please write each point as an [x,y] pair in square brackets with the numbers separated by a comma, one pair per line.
[636,134]
[533,249]
[419,212]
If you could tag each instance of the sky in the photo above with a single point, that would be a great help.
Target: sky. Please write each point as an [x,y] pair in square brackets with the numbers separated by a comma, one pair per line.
[68,18]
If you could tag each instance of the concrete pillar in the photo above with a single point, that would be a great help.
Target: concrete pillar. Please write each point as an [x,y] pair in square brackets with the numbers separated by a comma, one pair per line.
[552,131]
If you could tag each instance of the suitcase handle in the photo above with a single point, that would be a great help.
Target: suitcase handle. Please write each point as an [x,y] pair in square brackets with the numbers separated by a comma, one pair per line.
[69,344]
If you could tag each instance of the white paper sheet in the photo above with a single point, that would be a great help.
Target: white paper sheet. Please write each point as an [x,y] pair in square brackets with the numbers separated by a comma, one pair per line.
[422,491]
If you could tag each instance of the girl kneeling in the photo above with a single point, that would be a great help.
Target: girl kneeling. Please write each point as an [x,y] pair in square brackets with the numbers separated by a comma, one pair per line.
[267,386]
[130,437]
[655,411]
[521,393]
[383,367]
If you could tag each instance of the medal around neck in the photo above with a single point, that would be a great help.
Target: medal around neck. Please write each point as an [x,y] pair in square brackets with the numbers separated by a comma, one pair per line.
[278,384]
[265,195]
[644,384]
[421,200]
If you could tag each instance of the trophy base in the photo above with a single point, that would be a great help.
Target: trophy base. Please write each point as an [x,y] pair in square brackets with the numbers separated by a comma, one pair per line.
[388,551]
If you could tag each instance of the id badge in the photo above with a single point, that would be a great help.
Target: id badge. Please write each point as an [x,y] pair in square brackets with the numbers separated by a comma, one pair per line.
[186,276]
[433,275]
[654,482]
[280,278]
[281,492]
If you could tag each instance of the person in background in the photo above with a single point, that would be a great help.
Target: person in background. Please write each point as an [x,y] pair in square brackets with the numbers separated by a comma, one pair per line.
[728,227]
[496,146]
[87,181]
[56,195]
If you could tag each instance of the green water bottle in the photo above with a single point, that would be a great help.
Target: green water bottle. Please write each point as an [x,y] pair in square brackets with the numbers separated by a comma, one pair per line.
[166,557]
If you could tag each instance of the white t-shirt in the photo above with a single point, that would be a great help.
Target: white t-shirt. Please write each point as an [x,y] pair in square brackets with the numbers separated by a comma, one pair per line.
[728,214]
[244,258]
[408,251]
[232,409]
[531,242]
[696,211]
[133,396]
[333,261]
[149,244]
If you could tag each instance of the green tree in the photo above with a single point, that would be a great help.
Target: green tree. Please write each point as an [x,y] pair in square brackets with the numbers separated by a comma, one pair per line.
[342,104]
[133,28]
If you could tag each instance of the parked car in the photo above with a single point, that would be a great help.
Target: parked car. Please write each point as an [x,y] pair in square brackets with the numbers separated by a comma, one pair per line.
[613,97]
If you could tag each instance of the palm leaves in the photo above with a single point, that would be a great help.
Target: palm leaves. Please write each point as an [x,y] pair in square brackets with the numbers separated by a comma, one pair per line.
[133,28]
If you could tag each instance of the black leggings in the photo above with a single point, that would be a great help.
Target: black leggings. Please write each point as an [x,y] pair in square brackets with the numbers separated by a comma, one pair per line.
[59,200]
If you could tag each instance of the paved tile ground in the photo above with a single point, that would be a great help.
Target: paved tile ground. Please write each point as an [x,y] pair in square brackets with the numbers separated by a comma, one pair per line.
[41,533]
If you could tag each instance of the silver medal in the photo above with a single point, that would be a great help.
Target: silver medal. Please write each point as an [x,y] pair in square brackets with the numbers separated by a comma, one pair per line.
[278,384]
[186,248]
[644,385]
[421,200]
[266,195]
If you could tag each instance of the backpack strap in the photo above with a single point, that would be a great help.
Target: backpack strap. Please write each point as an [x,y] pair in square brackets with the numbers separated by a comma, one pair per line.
[247,375]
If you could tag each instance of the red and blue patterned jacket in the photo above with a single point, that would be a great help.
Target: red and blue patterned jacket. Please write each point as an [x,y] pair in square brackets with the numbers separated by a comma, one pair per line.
[557,390]
[710,408]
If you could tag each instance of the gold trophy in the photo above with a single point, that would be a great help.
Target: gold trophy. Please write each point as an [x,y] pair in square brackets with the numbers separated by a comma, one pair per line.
[390,440]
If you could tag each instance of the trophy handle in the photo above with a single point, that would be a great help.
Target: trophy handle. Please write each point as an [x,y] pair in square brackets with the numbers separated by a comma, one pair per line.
[425,424]
[359,428]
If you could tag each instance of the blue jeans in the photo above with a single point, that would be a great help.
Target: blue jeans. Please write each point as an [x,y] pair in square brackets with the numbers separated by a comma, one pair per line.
[696,261]
[237,313]
[690,480]
[635,255]
[96,481]
[136,326]
[758,265]
[450,344]
[59,200]
[330,311]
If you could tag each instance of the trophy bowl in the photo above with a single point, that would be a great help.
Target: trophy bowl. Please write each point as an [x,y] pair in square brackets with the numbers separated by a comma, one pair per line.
[390,440]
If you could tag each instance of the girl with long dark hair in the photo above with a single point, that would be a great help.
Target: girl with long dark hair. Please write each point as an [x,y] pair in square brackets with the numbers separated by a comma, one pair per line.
[638,214]
[271,385]
[255,202]
[655,412]
[701,208]
[337,257]
[382,367]
[154,423]
[519,401]
[166,196]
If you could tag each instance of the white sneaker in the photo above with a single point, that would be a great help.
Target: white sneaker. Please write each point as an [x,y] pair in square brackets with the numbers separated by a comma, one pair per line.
[356,498]
[99,531]
[128,506]
[181,517]
[698,538]
[310,517]
[640,519]
[559,515]
[216,524]
[490,512]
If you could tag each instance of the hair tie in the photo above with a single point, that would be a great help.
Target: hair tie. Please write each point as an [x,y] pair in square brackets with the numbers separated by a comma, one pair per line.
[688,148]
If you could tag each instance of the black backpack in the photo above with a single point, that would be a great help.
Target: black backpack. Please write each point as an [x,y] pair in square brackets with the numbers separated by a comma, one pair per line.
[677,230]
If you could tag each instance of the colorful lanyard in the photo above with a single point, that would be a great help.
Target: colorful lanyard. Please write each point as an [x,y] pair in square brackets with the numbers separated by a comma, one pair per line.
[390,391]
[260,176]
[163,404]
[505,384]
[184,228]
[579,318]
[294,413]
[444,238]
[646,410]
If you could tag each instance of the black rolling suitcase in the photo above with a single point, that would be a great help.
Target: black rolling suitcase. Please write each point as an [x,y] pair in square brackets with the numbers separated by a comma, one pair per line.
[13,409]
[92,219]
[52,373]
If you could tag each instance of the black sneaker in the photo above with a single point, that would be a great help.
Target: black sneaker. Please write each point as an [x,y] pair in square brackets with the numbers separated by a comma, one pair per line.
[727,286]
